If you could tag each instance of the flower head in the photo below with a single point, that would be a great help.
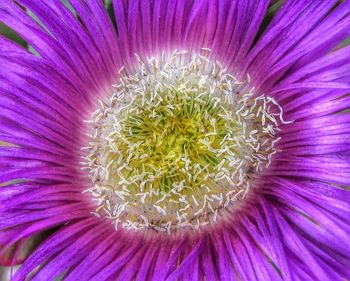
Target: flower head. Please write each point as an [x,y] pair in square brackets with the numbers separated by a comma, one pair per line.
[184,141]
[176,143]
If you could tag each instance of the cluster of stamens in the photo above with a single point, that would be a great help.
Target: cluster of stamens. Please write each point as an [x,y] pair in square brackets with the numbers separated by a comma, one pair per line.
[179,141]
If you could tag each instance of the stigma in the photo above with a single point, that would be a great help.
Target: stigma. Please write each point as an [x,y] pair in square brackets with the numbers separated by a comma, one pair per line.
[180,141]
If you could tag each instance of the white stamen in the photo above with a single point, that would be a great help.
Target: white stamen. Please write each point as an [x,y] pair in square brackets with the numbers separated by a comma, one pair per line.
[178,141]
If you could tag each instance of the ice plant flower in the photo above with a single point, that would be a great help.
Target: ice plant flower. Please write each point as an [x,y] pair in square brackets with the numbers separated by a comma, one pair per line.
[183,141]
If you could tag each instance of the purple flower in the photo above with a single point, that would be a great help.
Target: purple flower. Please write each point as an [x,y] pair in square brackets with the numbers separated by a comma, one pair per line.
[184,141]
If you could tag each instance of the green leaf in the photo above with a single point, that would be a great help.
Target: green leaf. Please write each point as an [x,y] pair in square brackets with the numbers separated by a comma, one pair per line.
[11,34]
[345,42]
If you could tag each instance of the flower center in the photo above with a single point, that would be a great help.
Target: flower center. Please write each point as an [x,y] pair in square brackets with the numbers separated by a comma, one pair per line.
[177,143]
